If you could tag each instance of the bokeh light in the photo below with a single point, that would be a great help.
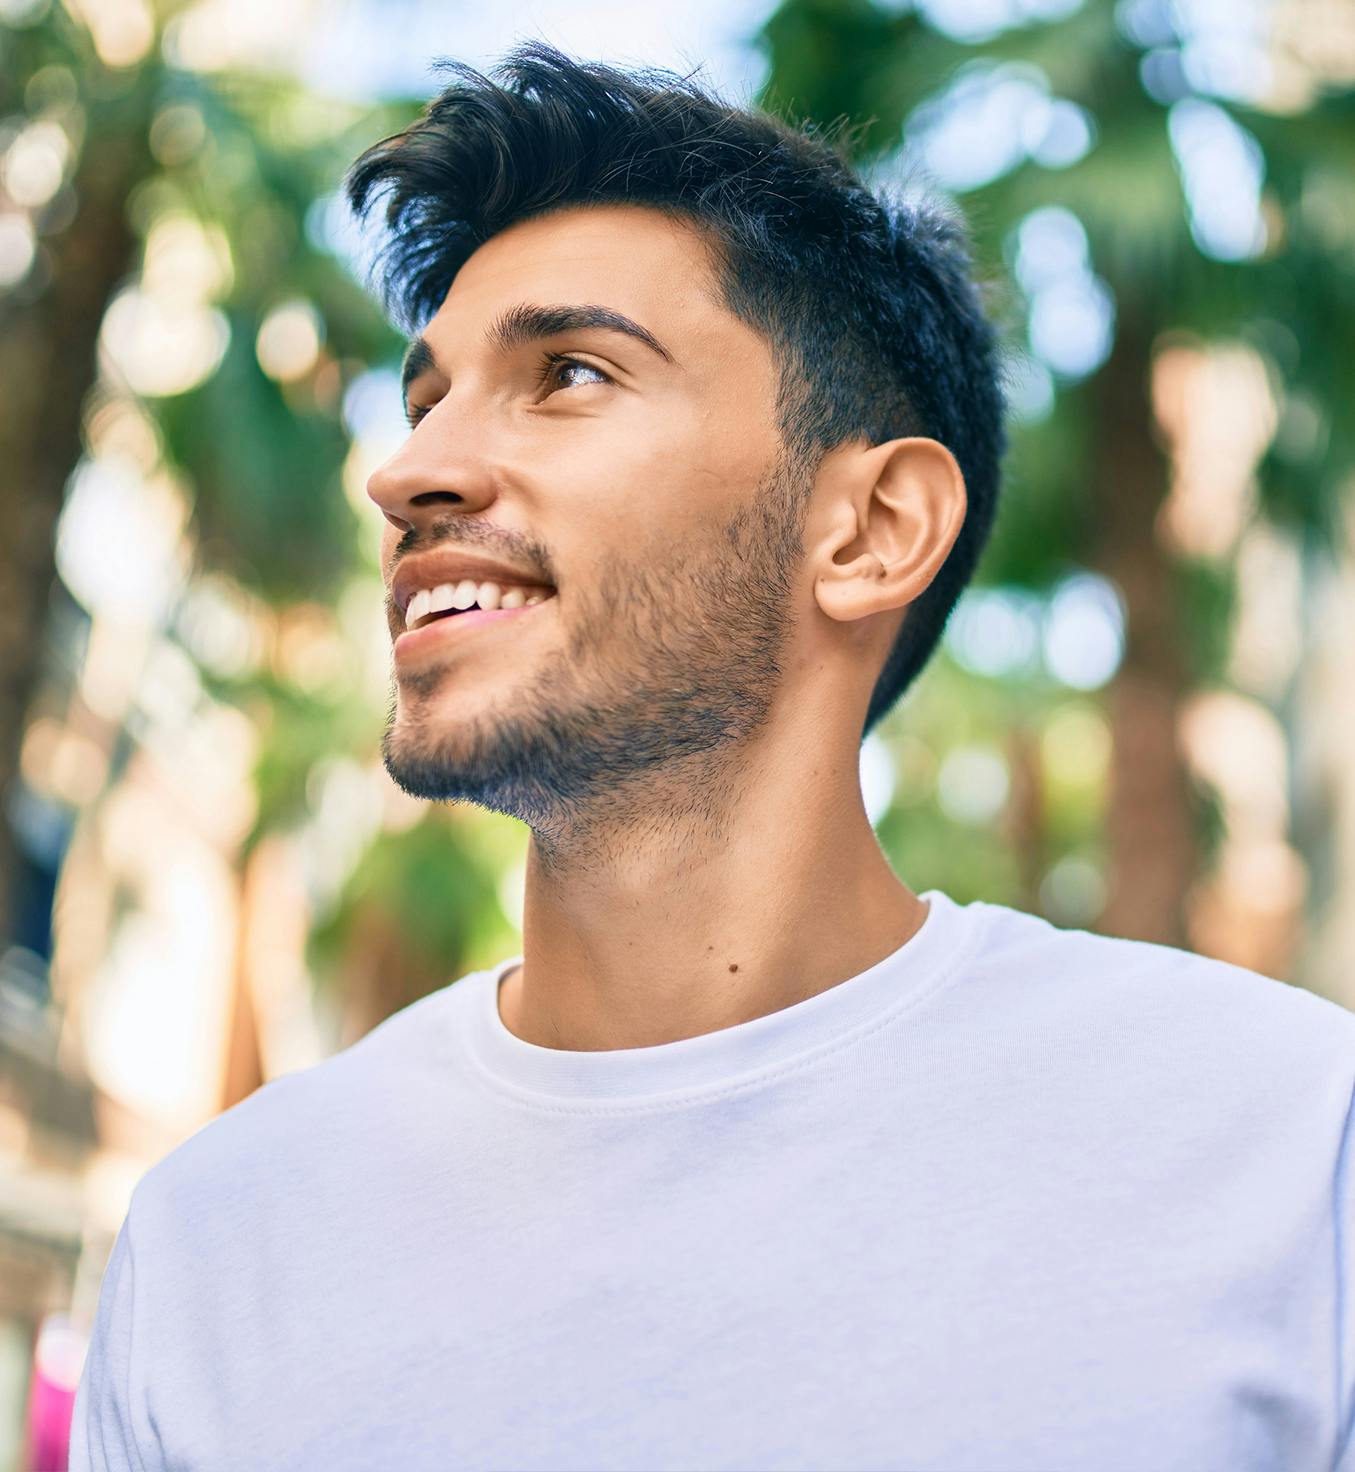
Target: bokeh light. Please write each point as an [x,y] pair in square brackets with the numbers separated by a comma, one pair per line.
[1084,632]
[996,631]
[1223,169]
[877,777]
[18,245]
[289,340]
[972,784]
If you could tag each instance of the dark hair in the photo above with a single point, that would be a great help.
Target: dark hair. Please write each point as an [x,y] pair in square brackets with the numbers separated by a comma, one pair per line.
[867,304]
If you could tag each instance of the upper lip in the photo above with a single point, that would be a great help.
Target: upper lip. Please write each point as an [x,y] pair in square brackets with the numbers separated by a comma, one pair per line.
[432,569]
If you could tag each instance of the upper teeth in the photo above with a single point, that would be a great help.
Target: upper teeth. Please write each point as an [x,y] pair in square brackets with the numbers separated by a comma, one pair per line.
[466,594]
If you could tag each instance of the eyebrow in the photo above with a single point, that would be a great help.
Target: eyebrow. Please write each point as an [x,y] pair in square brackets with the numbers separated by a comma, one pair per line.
[419,359]
[529,322]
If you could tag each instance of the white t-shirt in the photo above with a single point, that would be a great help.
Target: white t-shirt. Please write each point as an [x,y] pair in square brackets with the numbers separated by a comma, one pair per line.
[1015,1199]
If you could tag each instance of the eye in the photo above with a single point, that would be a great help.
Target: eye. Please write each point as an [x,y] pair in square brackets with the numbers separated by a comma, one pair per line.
[555,371]
[556,367]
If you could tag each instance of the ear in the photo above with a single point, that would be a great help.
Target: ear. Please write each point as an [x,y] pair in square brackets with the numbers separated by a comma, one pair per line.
[892,514]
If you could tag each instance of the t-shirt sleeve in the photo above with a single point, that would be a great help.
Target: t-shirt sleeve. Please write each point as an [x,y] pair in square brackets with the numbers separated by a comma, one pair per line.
[103,1438]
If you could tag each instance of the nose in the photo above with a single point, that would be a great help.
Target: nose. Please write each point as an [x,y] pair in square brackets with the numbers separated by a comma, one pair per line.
[428,474]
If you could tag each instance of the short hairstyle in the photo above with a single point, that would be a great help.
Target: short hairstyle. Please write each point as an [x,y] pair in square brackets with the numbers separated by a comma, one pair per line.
[868,305]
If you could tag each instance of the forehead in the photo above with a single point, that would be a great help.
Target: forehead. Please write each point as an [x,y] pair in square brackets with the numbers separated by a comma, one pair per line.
[655,269]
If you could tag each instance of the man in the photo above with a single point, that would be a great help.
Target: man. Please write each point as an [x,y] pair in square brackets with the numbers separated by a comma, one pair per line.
[754,1158]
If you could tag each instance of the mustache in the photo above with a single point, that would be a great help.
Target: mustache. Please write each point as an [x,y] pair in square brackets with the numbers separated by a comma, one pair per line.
[473,536]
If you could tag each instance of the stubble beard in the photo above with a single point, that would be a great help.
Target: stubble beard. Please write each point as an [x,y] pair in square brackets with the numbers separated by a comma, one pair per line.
[672,672]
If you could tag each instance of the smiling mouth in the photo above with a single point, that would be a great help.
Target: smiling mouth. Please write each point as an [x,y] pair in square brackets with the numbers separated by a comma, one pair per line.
[435,629]
[449,600]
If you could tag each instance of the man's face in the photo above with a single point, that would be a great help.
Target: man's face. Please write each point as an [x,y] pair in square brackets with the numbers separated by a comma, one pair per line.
[643,482]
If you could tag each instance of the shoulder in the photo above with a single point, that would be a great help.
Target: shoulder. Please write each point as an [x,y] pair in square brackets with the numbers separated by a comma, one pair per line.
[299,1134]
[1159,997]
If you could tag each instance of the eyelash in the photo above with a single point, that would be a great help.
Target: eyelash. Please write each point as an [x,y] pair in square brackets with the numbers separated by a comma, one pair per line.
[549,362]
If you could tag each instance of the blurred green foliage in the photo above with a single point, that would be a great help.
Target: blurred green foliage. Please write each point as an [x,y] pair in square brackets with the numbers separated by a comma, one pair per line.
[1086,479]
[254,160]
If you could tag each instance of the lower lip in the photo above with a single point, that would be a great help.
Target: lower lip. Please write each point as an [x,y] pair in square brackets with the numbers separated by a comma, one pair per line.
[414,642]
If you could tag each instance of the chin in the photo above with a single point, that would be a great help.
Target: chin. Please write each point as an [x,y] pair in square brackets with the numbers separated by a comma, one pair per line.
[485,760]
[425,738]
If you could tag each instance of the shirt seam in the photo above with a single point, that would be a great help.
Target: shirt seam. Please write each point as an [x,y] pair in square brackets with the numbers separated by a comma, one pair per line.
[539,1103]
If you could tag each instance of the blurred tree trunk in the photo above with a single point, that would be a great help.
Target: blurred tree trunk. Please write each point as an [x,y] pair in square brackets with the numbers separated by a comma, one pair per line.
[243,1068]
[381,973]
[1150,825]
[1023,822]
[48,362]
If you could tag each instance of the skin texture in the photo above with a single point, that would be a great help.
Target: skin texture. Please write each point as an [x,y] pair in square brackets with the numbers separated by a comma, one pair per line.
[680,725]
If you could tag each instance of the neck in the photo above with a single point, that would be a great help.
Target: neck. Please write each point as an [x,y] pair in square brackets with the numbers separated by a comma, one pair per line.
[738,890]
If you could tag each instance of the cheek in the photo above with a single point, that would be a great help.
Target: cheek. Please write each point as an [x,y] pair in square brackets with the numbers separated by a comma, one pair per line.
[684,472]
[617,475]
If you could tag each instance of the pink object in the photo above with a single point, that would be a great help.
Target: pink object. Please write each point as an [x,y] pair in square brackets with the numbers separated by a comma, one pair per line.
[58,1358]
